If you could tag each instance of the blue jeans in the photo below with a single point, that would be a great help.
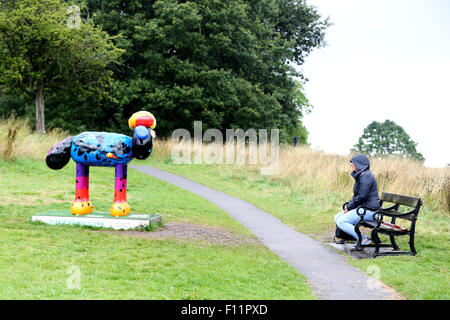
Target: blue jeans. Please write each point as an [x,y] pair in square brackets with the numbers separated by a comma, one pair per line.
[347,221]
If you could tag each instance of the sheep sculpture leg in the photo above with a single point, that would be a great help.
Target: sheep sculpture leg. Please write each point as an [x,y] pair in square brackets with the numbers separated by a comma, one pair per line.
[120,206]
[81,205]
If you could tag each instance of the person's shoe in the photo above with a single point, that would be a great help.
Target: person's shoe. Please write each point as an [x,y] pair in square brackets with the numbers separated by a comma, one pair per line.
[366,241]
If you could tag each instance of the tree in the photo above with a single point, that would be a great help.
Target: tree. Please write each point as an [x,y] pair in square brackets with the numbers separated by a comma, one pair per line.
[387,138]
[227,63]
[45,47]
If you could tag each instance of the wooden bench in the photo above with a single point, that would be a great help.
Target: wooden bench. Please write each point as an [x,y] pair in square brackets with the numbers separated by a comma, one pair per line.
[380,226]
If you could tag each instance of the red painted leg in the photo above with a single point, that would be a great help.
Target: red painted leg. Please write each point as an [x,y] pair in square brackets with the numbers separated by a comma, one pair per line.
[81,205]
[120,206]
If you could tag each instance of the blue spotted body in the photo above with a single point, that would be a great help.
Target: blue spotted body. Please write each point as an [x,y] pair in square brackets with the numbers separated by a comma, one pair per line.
[102,149]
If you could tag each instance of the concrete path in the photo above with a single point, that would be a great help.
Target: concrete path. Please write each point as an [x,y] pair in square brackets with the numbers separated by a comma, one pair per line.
[326,270]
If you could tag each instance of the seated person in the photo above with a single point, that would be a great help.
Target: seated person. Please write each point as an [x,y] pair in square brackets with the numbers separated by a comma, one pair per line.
[365,192]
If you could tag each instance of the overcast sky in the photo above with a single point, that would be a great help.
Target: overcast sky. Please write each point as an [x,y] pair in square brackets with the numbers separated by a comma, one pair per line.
[385,59]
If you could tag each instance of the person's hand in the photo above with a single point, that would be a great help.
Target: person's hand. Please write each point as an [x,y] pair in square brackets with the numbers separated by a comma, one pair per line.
[345,210]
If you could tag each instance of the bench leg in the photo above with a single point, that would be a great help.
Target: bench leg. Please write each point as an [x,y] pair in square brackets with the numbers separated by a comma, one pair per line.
[359,240]
[374,237]
[411,244]
[376,240]
[394,244]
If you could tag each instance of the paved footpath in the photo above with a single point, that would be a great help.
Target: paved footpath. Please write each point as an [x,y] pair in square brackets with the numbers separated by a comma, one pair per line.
[327,271]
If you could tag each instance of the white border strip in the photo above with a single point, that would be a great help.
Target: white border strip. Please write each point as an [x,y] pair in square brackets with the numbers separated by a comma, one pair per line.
[94,222]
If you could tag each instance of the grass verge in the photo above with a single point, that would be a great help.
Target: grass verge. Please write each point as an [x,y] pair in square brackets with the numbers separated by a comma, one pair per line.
[425,276]
[39,261]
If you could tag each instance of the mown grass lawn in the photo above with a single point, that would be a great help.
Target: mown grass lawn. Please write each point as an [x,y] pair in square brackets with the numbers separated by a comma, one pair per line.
[38,261]
[425,276]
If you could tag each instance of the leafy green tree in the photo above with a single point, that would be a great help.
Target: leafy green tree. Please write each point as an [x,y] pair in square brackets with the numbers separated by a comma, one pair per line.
[387,138]
[45,47]
[225,62]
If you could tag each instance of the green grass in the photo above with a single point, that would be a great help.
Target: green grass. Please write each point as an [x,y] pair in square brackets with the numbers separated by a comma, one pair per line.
[425,276]
[37,260]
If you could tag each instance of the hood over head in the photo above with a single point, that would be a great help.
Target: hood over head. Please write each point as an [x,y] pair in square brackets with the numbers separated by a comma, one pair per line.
[361,162]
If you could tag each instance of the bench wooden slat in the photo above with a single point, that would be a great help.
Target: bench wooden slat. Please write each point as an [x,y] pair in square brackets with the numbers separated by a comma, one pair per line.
[385,226]
[400,199]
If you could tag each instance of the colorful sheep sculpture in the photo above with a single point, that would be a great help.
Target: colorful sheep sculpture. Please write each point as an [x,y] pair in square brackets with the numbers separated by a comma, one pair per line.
[104,149]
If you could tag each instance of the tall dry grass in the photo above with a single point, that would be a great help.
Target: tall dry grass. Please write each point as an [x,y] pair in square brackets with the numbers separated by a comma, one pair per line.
[396,175]
[17,139]
[298,166]
[318,171]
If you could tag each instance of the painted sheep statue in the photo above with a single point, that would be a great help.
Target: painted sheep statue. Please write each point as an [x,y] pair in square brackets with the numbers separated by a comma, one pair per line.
[104,149]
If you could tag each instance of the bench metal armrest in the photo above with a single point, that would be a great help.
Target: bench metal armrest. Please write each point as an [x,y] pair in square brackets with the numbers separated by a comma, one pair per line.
[395,206]
[383,212]
[361,210]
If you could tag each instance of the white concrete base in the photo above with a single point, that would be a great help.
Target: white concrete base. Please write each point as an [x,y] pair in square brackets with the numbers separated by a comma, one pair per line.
[98,219]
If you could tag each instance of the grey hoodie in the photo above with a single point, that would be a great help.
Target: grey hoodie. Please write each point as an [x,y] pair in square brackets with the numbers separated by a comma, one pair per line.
[365,190]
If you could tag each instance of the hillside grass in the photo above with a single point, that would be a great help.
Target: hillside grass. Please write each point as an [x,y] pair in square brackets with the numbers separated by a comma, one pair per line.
[312,190]
[38,260]
[424,276]
[306,191]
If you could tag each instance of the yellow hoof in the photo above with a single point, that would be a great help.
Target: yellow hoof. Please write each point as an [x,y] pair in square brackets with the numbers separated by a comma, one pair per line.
[120,209]
[81,207]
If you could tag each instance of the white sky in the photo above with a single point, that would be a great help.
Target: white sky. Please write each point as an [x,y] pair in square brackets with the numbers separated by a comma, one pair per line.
[385,59]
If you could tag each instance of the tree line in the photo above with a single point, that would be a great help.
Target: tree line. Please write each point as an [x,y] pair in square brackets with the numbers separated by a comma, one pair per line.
[228,63]
[387,138]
